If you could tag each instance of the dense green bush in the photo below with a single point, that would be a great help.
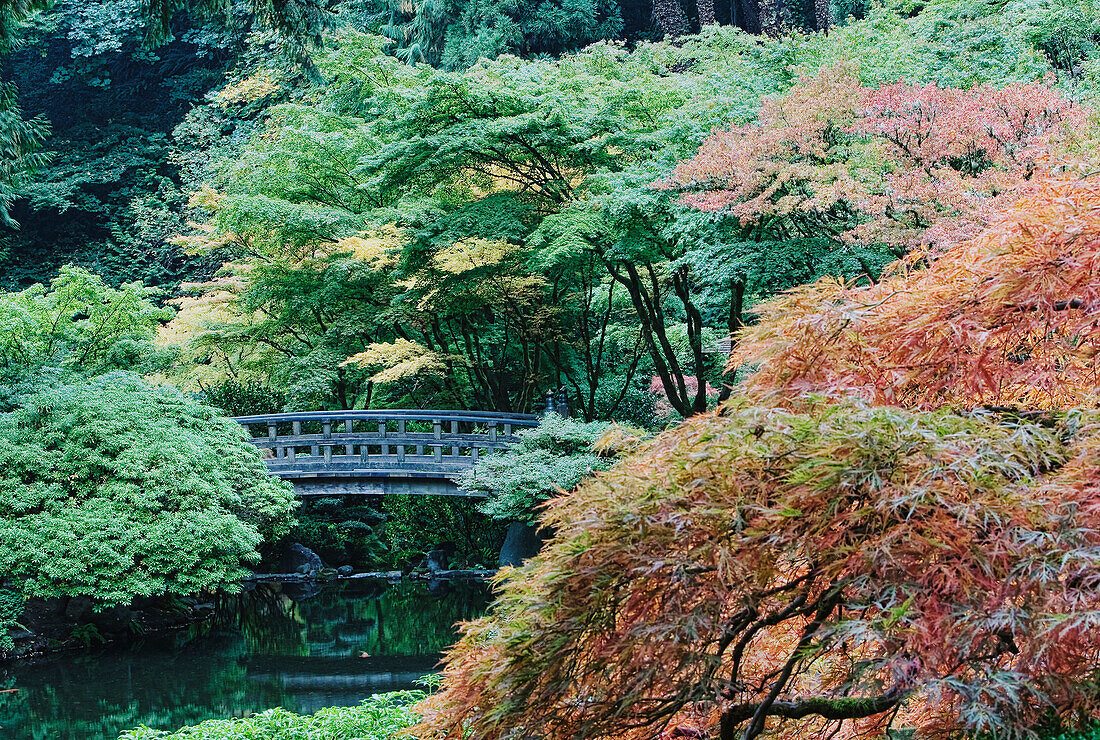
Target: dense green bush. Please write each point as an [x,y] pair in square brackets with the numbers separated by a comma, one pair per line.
[76,326]
[112,489]
[377,718]
[554,456]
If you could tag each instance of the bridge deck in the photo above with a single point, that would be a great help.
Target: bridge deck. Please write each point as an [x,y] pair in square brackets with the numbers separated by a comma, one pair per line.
[320,446]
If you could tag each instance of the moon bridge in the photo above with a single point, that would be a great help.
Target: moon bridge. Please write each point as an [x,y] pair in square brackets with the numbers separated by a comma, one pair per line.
[380,451]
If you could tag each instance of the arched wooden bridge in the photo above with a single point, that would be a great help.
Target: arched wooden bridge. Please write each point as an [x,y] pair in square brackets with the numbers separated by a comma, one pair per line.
[379,452]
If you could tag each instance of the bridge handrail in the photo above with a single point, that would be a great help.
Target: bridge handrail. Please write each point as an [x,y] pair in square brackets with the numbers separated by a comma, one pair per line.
[396,414]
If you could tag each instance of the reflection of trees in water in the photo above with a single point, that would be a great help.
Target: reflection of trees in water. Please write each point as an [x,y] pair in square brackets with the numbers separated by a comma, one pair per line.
[95,697]
[405,619]
[269,650]
[268,619]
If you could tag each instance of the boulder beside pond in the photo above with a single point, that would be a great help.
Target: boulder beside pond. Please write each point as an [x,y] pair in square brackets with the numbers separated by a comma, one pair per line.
[297,558]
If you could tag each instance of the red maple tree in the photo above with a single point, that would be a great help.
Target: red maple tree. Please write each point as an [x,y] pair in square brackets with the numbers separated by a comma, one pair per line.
[906,165]
[1010,317]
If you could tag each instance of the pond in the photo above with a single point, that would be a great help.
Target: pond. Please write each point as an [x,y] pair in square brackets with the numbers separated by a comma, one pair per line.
[295,646]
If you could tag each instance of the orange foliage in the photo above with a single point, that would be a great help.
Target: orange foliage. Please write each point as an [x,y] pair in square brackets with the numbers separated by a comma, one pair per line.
[1008,318]
[902,165]
[825,573]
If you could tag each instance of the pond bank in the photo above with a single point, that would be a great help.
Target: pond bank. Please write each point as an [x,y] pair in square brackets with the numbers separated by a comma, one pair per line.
[301,646]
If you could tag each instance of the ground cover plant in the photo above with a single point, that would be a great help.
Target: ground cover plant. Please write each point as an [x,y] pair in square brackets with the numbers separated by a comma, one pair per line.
[378,718]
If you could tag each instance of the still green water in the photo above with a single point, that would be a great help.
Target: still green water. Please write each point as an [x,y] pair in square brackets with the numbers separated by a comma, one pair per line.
[290,646]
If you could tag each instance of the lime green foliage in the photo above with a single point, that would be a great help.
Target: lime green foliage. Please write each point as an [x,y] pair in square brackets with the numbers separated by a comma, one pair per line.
[960,43]
[76,326]
[112,489]
[468,167]
[377,718]
[550,458]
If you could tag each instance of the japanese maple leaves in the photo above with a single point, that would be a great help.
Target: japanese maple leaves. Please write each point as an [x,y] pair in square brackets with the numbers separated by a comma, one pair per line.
[996,300]
[1008,318]
[904,165]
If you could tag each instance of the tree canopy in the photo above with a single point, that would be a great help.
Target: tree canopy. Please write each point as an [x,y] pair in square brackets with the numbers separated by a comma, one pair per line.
[1007,318]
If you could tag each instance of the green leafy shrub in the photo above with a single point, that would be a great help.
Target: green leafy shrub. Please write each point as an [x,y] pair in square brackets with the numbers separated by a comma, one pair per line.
[11,606]
[552,457]
[345,536]
[377,718]
[76,326]
[112,489]
[241,398]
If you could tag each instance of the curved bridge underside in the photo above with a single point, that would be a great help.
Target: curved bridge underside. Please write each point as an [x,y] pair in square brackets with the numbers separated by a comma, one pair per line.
[328,453]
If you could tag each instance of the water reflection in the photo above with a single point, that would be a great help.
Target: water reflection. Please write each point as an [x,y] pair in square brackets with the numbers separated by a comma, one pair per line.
[281,646]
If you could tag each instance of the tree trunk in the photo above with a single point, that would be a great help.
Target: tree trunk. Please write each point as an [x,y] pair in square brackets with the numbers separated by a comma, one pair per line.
[706,12]
[734,322]
[646,295]
[771,16]
[823,13]
[749,15]
[670,19]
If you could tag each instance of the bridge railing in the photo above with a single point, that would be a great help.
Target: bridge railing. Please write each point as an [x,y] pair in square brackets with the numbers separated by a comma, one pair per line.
[382,442]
